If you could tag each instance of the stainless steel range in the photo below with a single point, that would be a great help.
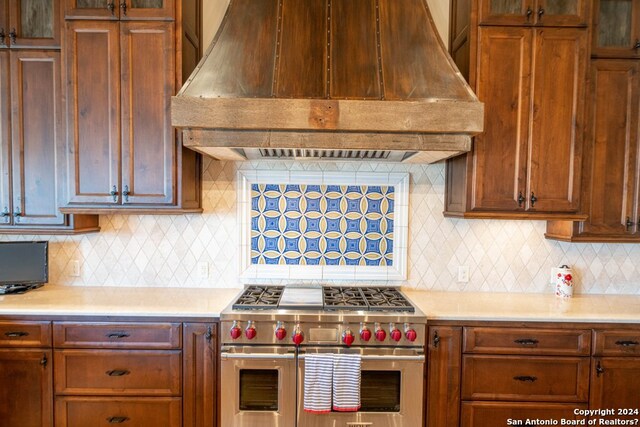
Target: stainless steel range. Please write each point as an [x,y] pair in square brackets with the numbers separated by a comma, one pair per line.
[268,332]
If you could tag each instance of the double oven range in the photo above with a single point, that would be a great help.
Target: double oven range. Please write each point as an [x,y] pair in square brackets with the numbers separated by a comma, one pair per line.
[269,330]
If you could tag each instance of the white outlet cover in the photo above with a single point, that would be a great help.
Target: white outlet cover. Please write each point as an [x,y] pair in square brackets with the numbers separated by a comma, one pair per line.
[75,268]
[203,270]
[463,274]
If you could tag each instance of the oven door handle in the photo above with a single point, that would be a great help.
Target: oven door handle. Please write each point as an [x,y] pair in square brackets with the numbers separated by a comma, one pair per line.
[256,356]
[388,358]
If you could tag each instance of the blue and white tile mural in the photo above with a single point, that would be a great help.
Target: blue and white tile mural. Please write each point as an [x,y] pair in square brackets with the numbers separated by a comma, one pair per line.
[301,225]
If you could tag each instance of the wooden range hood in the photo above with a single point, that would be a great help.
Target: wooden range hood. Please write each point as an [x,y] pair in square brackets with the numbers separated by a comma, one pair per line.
[327,79]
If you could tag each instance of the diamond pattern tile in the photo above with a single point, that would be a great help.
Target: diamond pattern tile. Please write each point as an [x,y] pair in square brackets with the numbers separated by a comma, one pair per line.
[508,256]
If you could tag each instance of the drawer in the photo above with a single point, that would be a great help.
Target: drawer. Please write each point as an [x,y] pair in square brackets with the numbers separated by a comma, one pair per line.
[490,414]
[117,335]
[530,378]
[118,372]
[107,412]
[616,343]
[25,334]
[549,342]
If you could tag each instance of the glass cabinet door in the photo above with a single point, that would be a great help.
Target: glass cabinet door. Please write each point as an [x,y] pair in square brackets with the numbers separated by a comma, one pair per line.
[507,12]
[616,32]
[33,23]
[571,13]
[147,9]
[4,24]
[92,9]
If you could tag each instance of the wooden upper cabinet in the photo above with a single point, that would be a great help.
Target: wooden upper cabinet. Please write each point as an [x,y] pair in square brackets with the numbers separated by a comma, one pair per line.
[5,139]
[4,24]
[120,9]
[36,127]
[534,12]
[504,85]
[611,149]
[33,23]
[148,140]
[93,112]
[556,122]
[616,29]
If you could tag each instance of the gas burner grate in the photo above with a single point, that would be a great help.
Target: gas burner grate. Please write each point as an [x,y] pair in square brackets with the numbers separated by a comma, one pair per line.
[386,299]
[259,298]
[336,298]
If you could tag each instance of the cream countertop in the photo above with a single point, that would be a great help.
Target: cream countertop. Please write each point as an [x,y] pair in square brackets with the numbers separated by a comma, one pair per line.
[191,302]
[53,300]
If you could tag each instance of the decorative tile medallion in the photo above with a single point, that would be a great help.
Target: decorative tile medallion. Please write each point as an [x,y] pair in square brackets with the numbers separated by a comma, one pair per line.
[333,225]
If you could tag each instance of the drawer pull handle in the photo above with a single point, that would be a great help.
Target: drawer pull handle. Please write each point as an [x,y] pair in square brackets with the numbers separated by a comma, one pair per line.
[117,420]
[627,343]
[118,335]
[526,341]
[525,378]
[118,373]
[16,334]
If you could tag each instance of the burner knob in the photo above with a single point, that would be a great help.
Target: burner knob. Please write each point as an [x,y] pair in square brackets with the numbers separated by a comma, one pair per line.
[235,331]
[298,336]
[348,338]
[281,333]
[250,332]
[381,335]
[411,334]
[395,334]
[365,334]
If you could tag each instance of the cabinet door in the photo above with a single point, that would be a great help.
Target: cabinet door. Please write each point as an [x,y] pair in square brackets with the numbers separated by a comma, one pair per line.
[26,394]
[615,384]
[5,139]
[149,145]
[35,23]
[616,30]
[36,130]
[4,23]
[560,60]
[611,148]
[559,13]
[200,377]
[503,84]
[93,112]
[492,414]
[92,9]
[443,381]
[507,12]
[147,9]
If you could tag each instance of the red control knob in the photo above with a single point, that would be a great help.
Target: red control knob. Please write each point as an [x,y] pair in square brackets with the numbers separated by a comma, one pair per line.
[411,335]
[396,335]
[381,335]
[348,338]
[297,338]
[281,333]
[235,332]
[365,334]
[250,332]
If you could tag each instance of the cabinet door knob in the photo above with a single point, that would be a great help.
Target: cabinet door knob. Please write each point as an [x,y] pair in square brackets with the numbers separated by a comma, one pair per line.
[125,193]
[540,12]
[521,199]
[209,334]
[637,45]
[13,35]
[529,13]
[533,199]
[17,213]
[436,340]
[3,35]
[629,223]
[5,213]
[123,7]
[112,8]
[599,369]
[114,193]
[44,360]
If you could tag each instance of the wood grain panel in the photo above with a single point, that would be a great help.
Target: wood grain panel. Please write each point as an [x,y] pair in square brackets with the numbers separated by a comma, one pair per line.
[149,9]
[443,377]
[91,9]
[106,412]
[5,137]
[200,374]
[527,341]
[405,73]
[302,60]
[492,414]
[116,335]
[354,54]
[614,384]
[149,146]
[616,343]
[25,334]
[570,13]
[504,85]
[36,130]
[557,118]
[4,21]
[242,72]
[616,28]
[37,23]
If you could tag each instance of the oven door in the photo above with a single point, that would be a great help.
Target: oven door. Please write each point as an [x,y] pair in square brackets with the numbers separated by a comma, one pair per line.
[258,386]
[391,390]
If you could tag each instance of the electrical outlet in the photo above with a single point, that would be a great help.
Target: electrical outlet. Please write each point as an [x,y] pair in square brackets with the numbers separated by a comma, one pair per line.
[203,270]
[463,274]
[75,268]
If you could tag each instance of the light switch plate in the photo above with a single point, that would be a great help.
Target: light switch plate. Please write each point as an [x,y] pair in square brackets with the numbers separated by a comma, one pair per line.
[75,268]
[203,270]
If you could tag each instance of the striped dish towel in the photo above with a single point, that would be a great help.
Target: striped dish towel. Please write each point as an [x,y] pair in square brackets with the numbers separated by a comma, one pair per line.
[318,376]
[346,382]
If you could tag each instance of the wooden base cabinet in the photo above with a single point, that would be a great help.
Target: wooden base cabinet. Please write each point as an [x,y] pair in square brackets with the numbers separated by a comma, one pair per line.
[443,376]
[200,356]
[492,414]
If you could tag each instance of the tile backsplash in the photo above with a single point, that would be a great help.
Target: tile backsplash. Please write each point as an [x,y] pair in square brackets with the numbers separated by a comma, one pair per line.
[165,251]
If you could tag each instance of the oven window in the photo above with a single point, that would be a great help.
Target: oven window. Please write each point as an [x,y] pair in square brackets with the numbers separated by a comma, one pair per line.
[258,390]
[380,391]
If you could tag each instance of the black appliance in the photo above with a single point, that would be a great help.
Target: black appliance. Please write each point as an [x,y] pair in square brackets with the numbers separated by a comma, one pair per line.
[23,266]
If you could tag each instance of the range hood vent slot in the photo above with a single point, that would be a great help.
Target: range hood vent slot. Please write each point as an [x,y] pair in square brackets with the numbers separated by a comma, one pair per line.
[302,154]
